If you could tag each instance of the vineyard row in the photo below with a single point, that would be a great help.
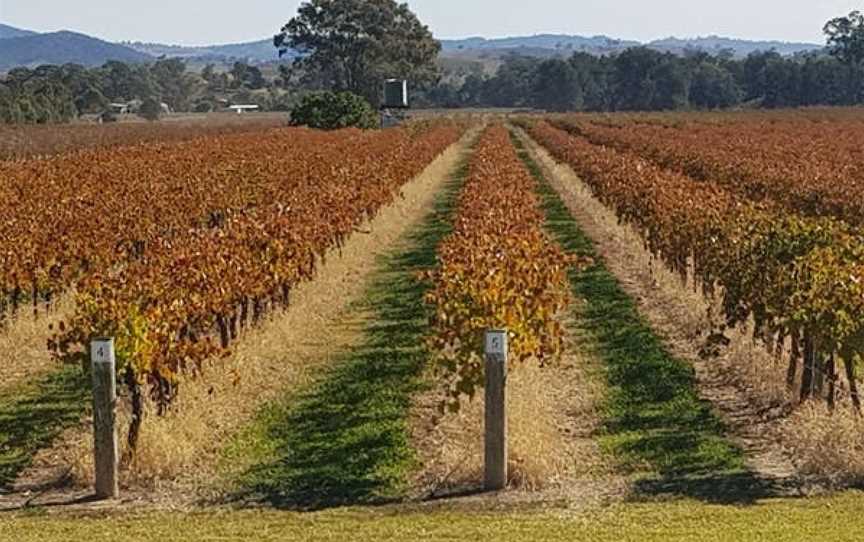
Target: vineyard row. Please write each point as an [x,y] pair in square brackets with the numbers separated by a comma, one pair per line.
[815,169]
[63,217]
[798,278]
[184,301]
[497,269]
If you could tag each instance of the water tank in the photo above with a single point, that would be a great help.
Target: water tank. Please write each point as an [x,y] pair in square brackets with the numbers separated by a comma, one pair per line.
[396,93]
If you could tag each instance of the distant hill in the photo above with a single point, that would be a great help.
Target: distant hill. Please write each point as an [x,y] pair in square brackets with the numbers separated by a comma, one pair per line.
[61,48]
[715,44]
[24,48]
[256,51]
[7,32]
[546,44]
[542,45]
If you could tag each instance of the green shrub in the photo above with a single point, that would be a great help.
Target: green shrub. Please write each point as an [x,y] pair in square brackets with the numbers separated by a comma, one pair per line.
[203,106]
[331,111]
[151,109]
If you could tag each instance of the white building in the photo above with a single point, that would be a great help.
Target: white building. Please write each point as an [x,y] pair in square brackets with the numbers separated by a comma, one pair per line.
[119,108]
[240,109]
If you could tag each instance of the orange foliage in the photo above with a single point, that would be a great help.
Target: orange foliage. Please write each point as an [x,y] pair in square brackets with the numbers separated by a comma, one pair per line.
[812,168]
[284,199]
[498,269]
[795,275]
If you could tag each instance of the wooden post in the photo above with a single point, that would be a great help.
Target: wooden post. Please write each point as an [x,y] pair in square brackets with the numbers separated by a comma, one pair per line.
[496,411]
[104,417]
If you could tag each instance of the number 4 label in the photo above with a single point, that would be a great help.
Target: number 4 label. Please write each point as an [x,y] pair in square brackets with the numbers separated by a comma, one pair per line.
[102,351]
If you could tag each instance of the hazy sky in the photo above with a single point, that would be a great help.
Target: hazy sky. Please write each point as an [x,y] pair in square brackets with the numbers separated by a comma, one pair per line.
[214,21]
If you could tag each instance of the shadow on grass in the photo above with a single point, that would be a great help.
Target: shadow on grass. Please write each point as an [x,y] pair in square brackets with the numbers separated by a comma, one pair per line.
[346,441]
[654,423]
[32,416]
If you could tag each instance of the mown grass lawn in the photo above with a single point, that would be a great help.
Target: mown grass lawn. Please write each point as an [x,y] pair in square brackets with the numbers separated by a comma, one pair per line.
[836,518]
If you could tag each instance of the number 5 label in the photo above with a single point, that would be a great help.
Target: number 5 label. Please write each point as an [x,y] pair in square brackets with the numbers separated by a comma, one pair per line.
[496,342]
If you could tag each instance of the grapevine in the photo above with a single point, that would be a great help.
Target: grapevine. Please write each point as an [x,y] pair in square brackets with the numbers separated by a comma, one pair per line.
[498,269]
[797,277]
[186,298]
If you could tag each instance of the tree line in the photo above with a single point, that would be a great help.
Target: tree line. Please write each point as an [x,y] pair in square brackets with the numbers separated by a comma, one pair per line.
[642,79]
[355,45]
[637,79]
[49,94]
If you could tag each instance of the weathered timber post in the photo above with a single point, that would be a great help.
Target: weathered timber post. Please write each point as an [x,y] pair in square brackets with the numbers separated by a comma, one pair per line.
[496,411]
[104,417]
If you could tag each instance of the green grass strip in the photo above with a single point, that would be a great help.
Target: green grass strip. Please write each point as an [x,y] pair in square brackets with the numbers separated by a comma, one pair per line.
[835,518]
[654,423]
[33,415]
[346,440]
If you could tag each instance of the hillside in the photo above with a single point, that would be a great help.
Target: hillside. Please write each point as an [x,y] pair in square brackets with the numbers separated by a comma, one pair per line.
[564,44]
[715,44]
[256,51]
[22,47]
[61,48]
[549,42]
[7,32]
[542,45]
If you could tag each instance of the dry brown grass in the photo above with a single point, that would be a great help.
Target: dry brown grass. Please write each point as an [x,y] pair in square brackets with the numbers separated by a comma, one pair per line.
[827,445]
[281,354]
[24,342]
[537,449]
[746,383]
[551,416]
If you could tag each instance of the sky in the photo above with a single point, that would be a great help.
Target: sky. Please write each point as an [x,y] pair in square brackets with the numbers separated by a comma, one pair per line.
[199,22]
